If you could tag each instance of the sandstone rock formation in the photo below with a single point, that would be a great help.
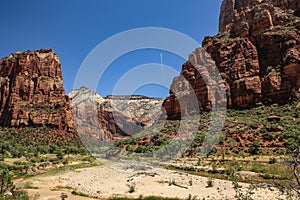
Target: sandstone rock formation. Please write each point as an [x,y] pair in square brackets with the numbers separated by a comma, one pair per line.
[196,89]
[84,103]
[113,117]
[256,51]
[32,93]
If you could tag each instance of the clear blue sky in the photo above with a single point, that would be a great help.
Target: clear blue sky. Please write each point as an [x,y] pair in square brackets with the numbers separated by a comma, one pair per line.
[74,27]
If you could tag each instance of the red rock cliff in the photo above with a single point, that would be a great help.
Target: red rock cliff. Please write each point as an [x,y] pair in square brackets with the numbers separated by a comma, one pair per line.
[256,51]
[32,93]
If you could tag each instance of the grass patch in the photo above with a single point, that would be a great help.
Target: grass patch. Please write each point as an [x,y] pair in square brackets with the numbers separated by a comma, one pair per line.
[29,185]
[144,198]
[70,168]
[61,187]
[79,194]
[266,172]
[227,40]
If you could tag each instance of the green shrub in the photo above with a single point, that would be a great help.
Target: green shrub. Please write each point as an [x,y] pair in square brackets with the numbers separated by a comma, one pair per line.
[131,187]
[210,182]
[254,148]
[79,193]
[6,185]
[272,160]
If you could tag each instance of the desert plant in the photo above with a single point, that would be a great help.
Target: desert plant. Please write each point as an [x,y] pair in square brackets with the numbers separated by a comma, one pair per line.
[254,147]
[36,196]
[292,144]
[131,187]
[210,182]
[172,182]
[63,196]
[239,194]
[191,197]
[29,185]
[79,193]
[191,182]
[272,160]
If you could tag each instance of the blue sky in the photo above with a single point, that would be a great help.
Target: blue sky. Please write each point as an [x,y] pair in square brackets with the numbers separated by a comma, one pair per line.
[74,28]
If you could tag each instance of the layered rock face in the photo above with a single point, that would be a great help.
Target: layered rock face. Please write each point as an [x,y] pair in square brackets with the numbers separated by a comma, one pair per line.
[32,93]
[197,88]
[84,103]
[113,117]
[256,51]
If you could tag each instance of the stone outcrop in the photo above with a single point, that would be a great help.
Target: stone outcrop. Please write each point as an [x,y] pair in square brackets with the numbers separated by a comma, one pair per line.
[32,93]
[256,51]
[238,65]
[113,117]
[196,89]
[85,103]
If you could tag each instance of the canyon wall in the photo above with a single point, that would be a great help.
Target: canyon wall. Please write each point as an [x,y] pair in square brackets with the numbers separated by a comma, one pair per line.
[114,117]
[32,93]
[257,52]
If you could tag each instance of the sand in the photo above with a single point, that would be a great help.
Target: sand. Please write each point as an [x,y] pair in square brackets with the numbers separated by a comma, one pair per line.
[115,180]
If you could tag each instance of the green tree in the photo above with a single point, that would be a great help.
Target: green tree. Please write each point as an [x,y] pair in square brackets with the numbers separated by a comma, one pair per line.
[292,144]
[6,183]
[222,141]
[7,188]
[197,141]
[254,147]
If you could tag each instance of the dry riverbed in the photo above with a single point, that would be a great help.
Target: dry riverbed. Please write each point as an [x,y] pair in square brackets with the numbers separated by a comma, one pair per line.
[134,180]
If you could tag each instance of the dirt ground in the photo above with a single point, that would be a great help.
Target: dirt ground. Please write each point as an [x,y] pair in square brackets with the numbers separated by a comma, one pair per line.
[117,179]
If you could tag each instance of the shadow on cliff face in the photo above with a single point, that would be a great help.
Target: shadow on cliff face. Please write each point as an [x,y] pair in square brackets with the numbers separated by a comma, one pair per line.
[140,128]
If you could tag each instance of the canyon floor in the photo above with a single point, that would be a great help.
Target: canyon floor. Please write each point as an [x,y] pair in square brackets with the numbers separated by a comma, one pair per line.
[133,181]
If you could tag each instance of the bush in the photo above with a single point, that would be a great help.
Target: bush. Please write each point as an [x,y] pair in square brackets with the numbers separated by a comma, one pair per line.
[254,147]
[140,149]
[7,187]
[272,160]
[210,182]
[131,187]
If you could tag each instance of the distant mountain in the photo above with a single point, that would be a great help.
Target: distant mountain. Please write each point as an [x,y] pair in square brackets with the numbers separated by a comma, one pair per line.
[113,117]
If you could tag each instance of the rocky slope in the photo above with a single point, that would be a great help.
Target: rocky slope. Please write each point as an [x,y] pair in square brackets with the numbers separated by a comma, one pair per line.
[113,117]
[32,93]
[256,51]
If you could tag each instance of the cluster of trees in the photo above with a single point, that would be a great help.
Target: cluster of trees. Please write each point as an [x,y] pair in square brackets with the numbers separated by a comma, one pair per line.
[292,144]
[31,142]
[8,190]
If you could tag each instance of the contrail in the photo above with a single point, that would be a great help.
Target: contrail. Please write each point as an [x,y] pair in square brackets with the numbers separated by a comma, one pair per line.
[162,69]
